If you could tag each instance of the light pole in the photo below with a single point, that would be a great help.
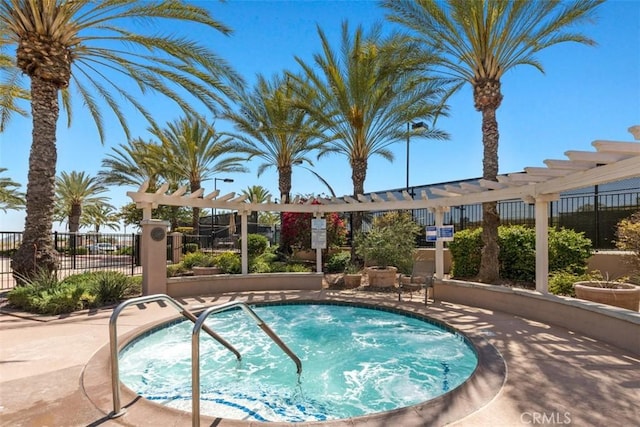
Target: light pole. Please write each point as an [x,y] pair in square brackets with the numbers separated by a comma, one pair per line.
[214,217]
[412,126]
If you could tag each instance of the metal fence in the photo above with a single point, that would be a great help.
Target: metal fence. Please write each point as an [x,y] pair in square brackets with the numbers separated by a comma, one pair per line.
[595,211]
[78,252]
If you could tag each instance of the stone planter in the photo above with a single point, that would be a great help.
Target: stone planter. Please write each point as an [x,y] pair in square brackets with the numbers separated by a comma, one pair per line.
[205,271]
[352,281]
[382,277]
[625,295]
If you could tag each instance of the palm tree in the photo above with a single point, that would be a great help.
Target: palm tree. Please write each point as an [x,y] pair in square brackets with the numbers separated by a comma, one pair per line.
[94,47]
[99,215]
[480,40]
[75,190]
[193,150]
[132,164]
[364,95]
[137,162]
[10,197]
[10,91]
[256,194]
[274,130]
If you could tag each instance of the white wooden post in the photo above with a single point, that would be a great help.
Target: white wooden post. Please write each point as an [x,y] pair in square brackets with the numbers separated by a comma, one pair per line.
[439,217]
[542,240]
[244,252]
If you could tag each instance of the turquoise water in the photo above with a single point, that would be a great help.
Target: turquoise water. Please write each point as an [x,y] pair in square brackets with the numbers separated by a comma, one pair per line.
[355,361]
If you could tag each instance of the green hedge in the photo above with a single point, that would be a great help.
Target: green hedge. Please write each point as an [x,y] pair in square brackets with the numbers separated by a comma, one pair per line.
[568,251]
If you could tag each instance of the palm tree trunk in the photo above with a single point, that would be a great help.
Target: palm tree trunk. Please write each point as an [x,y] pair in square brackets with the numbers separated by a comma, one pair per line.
[36,252]
[284,185]
[489,264]
[358,176]
[195,216]
[74,218]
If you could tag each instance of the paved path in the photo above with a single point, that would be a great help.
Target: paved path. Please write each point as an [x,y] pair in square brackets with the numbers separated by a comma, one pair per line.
[554,376]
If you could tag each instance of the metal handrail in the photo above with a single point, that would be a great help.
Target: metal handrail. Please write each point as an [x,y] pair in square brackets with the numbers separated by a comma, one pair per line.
[113,341]
[195,351]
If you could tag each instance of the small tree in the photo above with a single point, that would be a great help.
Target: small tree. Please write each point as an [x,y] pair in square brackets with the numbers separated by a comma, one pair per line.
[391,241]
[628,234]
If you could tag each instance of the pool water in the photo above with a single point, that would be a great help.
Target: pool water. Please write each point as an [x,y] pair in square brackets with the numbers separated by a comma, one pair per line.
[355,361]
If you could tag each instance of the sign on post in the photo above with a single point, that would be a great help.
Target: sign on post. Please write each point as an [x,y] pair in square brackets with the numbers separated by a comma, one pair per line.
[442,234]
[432,233]
[318,233]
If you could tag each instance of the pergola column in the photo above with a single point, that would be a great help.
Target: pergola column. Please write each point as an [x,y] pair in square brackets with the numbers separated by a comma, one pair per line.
[541,207]
[154,256]
[244,252]
[439,218]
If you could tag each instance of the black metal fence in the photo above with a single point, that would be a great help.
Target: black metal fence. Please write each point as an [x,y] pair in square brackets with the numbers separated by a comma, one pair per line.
[595,211]
[78,252]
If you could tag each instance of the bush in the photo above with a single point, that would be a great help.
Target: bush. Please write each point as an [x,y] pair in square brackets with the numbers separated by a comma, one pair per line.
[198,259]
[256,244]
[517,253]
[568,251]
[338,262]
[109,287]
[628,235]
[390,242]
[176,269]
[228,262]
[466,252]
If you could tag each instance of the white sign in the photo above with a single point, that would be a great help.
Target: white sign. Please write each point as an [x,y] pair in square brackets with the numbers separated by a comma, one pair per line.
[445,233]
[442,234]
[318,233]
[432,233]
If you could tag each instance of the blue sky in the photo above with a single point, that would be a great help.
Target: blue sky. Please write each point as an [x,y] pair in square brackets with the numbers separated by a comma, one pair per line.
[586,93]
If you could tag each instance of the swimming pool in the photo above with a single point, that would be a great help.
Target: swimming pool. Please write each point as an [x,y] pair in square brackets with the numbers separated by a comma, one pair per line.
[355,361]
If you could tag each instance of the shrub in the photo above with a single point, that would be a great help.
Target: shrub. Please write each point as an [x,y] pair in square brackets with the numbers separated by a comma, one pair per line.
[338,262]
[109,287]
[628,235]
[391,241]
[176,269]
[569,251]
[256,244]
[517,253]
[259,265]
[466,252]
[228,262]
[297,268]
[198,259]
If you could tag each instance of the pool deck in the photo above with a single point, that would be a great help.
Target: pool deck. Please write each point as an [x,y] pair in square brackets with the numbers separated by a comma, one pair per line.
[553,377]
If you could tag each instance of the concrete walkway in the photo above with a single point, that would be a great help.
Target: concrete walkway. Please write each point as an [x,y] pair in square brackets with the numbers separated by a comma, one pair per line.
[553,376]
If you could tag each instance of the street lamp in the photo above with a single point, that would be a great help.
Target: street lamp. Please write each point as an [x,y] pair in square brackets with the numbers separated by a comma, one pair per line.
[412,126]
[214,217]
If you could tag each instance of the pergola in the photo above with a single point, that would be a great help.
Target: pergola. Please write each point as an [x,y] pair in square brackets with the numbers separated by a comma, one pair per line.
[611,161]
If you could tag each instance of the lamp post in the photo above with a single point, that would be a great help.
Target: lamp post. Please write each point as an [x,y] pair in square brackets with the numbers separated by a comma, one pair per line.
[214,217]
[412,126]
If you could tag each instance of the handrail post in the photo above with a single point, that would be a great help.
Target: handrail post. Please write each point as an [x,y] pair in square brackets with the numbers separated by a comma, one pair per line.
[113,341]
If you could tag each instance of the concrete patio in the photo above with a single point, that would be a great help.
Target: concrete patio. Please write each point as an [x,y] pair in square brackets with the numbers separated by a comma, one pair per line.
[554,376]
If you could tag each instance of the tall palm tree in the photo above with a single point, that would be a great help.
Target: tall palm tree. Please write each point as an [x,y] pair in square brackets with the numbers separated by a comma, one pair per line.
[132,164]
[193,150]
[271,128]
[95,48]
[99,215]
[480,40]
[140,161]
[10,197]
[75,190]
[363,95]
[256,194]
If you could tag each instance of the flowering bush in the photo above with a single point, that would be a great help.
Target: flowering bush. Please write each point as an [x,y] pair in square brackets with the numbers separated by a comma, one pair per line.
[296,229]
